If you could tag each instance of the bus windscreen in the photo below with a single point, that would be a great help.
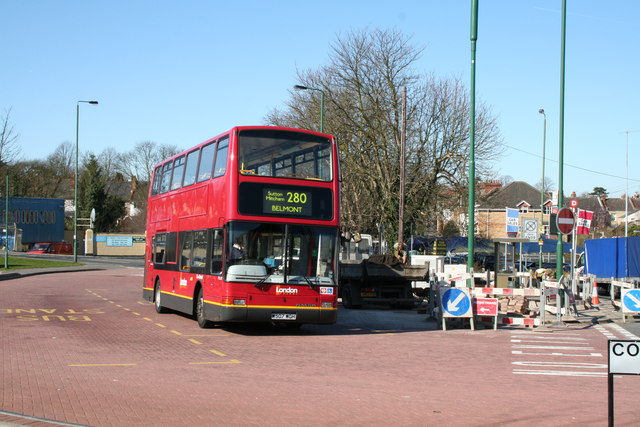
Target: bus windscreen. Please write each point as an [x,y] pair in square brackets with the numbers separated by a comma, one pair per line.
[274,153]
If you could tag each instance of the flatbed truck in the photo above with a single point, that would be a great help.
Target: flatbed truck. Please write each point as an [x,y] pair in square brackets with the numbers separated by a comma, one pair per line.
[379,279]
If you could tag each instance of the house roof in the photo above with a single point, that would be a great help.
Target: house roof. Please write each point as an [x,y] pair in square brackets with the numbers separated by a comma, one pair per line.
[512,195]
[519,193]
[615,204]
[590,203]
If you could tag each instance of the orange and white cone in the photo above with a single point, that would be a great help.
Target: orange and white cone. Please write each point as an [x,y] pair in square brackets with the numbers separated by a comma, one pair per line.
[595,300]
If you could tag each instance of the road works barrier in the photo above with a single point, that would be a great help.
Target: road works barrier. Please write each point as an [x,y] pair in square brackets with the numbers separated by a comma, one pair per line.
[616,291]
[629,302]
[506,319]
[559,299]
[554,297]
[548,298]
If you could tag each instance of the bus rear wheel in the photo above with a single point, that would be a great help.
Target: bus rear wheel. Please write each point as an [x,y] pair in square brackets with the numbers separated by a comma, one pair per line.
[202,321]
[157,299]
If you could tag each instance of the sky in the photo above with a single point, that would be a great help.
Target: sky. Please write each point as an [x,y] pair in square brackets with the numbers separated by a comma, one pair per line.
[180,72]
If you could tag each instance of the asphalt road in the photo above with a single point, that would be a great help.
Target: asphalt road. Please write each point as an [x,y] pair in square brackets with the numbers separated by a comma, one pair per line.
[84,348]
[102,261]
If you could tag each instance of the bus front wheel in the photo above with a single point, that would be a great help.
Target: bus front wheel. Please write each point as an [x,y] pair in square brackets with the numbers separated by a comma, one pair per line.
[157,299]
[202,321]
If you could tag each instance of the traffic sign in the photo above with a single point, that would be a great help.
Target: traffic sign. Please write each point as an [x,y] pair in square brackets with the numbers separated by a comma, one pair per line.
[455,302]
[565,220]
[631,300]
[530,229]
[485,306]
[624,357]
[573,203]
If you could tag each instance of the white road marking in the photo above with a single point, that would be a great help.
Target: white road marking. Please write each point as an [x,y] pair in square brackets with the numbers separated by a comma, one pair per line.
[521,353]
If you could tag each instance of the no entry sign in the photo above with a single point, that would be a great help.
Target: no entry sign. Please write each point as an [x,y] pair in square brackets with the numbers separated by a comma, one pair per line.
[565,220]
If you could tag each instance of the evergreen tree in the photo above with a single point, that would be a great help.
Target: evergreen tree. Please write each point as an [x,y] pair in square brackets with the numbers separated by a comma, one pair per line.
[92,195]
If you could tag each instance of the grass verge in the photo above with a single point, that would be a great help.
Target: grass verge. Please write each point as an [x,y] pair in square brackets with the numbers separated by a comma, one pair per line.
[19,263]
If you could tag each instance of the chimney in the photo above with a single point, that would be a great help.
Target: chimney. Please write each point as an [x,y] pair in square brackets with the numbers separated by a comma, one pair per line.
[486,187]
[573,194]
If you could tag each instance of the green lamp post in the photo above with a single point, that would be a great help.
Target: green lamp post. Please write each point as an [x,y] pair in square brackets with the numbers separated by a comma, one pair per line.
[75,186]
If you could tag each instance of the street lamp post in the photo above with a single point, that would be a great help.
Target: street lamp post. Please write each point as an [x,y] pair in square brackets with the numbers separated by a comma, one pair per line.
[559,247]
[472,142]
[75,186]
[300,87]
[544,144]
[626,199]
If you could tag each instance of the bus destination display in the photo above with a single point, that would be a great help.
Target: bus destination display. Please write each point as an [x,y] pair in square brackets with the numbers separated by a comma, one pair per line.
[286,202]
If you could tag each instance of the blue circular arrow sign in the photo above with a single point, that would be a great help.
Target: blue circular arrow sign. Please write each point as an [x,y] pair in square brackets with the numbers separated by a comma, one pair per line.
[631,300]
[456,302]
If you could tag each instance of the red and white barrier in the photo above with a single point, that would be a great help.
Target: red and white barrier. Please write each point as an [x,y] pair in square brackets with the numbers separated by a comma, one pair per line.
[518,321]
[527,292]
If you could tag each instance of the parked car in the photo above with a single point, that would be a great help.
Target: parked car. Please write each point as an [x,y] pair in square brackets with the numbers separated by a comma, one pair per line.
[51,248]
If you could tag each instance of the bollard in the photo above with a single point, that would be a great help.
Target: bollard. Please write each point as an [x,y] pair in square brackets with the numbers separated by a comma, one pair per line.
[432,296]
[543,303]
[558,306]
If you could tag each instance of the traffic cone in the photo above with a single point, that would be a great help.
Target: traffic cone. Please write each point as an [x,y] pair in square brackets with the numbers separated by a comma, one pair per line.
[595,300]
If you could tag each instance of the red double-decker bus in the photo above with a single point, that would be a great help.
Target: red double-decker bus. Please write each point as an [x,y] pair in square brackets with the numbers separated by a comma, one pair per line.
[244,228]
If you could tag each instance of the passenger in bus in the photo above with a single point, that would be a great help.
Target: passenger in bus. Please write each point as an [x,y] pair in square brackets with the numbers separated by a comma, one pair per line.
[237,253]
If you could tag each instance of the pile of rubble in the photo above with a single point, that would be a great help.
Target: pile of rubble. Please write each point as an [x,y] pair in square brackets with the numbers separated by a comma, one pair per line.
[517,304]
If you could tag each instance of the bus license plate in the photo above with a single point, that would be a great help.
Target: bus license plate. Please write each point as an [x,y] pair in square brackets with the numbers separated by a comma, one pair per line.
[283,316]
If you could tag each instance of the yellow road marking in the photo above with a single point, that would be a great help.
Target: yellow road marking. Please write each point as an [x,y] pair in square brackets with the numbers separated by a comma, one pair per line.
[173,331]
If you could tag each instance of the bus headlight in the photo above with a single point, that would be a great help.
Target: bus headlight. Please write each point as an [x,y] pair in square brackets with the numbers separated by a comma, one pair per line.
[239,302]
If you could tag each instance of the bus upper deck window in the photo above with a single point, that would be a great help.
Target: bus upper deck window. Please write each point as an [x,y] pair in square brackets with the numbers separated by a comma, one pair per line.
[178,169]
[221,158]
[191,168]
[206,162]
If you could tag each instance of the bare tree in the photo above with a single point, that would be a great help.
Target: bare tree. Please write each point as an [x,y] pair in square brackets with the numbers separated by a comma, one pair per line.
[362,86]
[63,158]
[549,184]
[62,161]
[9,148]
[109,160]
[52,177]
[139,162]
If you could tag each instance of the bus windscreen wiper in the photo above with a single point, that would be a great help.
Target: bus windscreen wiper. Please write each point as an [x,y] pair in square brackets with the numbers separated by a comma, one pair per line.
[308,281]
[261,281]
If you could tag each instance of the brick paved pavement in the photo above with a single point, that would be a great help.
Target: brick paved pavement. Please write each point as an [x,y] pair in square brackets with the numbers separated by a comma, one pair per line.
[85,348]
